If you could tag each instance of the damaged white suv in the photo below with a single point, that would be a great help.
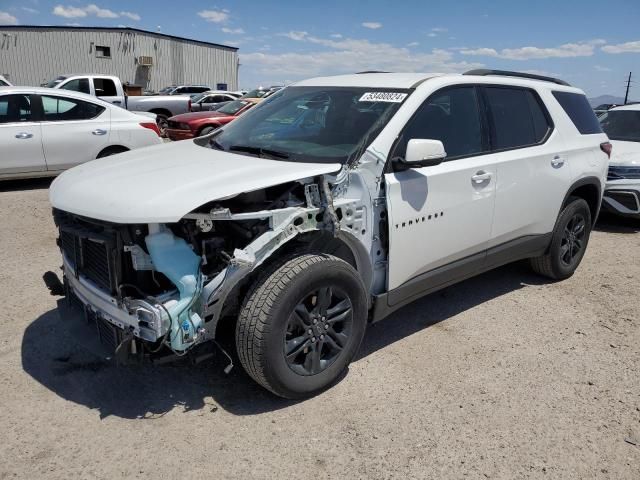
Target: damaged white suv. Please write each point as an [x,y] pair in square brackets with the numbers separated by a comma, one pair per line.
[328,206]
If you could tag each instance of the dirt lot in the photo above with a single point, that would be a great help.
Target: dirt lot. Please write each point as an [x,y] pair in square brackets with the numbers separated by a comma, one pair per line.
[503,376]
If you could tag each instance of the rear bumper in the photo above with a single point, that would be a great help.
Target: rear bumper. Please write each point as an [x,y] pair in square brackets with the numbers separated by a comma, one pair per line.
[622,197]
[176,135]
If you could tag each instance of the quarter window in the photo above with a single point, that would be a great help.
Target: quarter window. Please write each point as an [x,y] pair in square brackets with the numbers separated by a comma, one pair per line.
[451,116]
[61,109]
[577,107]
[15,108]
[516,118]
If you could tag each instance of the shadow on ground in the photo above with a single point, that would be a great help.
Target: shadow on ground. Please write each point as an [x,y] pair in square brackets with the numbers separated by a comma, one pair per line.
[610,223]
[52,357]
[28,184]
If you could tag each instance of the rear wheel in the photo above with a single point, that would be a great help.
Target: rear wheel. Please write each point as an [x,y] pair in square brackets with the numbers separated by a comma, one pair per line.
[302,325]
[111,151]
[569,242]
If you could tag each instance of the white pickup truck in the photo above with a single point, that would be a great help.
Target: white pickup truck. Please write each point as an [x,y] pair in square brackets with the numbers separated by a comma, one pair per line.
[110,89]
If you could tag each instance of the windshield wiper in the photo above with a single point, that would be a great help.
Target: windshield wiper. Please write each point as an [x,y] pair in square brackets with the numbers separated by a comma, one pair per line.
[262,152]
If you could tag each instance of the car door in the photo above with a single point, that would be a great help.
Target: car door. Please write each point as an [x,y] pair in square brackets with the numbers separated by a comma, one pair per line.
[20,136]
[73,131]
[532,165]
[440,216]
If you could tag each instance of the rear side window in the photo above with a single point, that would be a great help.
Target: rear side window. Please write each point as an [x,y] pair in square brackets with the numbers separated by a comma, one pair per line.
[15,108]
[516,117]
[579,111]
[105,87]
[58,109]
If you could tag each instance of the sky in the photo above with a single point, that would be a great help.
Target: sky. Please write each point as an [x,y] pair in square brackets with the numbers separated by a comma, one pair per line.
[592,44]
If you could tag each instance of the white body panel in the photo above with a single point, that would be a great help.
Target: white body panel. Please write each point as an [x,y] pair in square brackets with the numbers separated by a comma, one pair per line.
[625,154]
[164,183]
[21,148]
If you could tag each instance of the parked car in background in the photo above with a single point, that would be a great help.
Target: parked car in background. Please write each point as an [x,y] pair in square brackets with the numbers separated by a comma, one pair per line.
[4,82]
[622,192]
[405,184]
[600,109]
[211,100]
[45,131]
[110,89]
[197,124]
[184,89]
[261,92]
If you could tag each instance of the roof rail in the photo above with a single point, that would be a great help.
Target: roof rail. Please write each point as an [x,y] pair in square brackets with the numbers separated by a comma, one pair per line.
[505,73]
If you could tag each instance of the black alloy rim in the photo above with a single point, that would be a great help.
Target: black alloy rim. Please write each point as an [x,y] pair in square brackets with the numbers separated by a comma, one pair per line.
[573,239]
[318,330]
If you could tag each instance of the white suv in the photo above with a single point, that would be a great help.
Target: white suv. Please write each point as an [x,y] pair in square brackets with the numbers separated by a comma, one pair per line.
[331,204]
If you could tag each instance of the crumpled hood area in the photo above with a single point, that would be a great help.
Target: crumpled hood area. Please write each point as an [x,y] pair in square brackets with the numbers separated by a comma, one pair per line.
[161,184]
[625,154]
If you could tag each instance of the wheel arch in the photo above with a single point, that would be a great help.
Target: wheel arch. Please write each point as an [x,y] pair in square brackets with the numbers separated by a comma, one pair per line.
[112,150]
[590,190]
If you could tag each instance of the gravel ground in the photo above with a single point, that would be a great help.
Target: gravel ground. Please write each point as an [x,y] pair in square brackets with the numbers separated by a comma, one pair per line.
[503,376]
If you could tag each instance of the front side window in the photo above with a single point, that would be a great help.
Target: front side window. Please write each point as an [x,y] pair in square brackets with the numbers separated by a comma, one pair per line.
[516,118]
[15,108]
[77,85]
[311,124]
[451,116]
[105,87]
[622,125]
[65,109]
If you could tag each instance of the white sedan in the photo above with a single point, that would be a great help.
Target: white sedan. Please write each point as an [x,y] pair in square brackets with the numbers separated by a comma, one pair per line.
[45,131]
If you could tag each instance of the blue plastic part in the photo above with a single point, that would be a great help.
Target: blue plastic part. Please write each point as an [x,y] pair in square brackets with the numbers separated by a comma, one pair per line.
[172,257]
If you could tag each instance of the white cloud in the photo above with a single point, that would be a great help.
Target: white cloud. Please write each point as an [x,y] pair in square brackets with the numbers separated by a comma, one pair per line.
[372,25]
[432,34]
[295,35]
[91,10]
[628,47]
[440,30]
[581,49]
[347,55]
[413,44]
[600,68]
[30,10]
[335,35]
[7,19]
[73,24]
[233,31]
[214,16]
[130,15]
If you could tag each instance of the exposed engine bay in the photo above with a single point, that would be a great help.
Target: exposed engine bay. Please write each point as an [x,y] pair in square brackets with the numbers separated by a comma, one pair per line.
[164,287]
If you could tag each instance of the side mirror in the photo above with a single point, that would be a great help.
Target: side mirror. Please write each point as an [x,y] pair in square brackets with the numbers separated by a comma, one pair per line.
[424,153]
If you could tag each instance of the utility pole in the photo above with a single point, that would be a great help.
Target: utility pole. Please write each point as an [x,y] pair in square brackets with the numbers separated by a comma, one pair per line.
[626,95]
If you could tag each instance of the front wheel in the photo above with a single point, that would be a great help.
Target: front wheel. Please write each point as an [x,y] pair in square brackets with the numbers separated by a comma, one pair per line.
[569,242]
[302,324]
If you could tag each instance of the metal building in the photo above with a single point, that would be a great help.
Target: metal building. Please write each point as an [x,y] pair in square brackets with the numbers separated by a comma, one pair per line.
[33,55]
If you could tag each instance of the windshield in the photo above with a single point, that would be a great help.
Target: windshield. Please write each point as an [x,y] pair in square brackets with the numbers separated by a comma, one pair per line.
[234,107]
[622,125]
[55,82]
[312,124]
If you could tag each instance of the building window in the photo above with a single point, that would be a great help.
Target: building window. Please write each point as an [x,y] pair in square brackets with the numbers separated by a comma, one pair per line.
[103,52]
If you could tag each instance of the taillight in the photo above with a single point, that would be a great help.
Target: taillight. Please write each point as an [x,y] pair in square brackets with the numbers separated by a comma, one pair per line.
[151,126]
[606,147]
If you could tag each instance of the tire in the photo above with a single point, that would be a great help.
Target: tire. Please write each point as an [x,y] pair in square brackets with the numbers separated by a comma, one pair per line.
[206,131]
[280,317]
[107,152]
[567,249]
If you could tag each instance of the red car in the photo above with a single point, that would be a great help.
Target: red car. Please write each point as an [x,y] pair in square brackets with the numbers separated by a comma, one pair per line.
[196,124]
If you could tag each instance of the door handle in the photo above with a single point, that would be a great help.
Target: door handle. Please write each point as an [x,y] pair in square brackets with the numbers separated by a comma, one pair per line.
[481,177]
[99,131]
[23,135]
[557,161]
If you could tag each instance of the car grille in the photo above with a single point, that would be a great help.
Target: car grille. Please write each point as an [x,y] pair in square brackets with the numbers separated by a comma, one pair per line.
[618,173]
[89,257]
[626,199]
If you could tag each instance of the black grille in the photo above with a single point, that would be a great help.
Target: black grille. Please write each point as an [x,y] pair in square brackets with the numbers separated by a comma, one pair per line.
[110,335]
[618,172]
[70,245]
[626,199]
[95,263]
